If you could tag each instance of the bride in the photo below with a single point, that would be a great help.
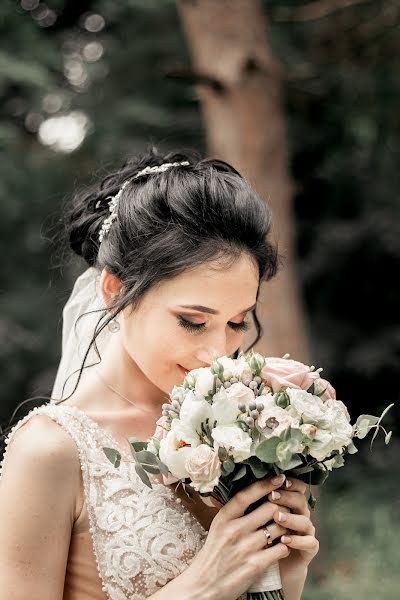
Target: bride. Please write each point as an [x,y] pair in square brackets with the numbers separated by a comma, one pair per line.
[177,248]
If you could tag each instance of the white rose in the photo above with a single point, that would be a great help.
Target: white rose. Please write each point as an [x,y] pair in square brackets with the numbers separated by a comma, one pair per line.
[203,380]
[309,408]
[274,420]
[237,367]
[338,423]
[177,446]
[236,441]
[240,393]
[194,410]
[204,468]
[322,445]
[224,410]
[325,442]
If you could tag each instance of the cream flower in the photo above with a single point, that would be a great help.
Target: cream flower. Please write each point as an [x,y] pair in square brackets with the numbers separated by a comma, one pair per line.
[204,468]
[240,394]
[177,446]
[236,441]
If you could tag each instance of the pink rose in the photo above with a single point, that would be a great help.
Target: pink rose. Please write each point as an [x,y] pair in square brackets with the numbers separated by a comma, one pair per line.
[204,468]
[281,373]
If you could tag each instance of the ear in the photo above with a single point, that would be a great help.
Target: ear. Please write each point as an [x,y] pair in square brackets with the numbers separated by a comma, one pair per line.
[110,286]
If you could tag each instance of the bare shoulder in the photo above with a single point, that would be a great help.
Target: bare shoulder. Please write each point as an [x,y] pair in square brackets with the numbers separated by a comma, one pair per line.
[43,448]
[38,491]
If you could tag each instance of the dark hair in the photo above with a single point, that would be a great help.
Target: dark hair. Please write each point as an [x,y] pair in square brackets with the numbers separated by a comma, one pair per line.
[167,223]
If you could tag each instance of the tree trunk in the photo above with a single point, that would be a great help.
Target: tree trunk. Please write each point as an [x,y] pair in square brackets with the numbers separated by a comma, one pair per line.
[239,86]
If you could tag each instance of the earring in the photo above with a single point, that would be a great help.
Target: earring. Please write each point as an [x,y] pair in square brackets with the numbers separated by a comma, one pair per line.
[113,325]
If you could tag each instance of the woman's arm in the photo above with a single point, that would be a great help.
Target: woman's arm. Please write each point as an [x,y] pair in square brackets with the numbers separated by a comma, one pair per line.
[38,495]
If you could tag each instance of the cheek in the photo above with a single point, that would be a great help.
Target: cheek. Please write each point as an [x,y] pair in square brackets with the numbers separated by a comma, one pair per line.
[157,346]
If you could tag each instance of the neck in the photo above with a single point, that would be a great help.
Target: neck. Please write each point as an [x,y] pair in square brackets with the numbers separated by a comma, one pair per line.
[119,370]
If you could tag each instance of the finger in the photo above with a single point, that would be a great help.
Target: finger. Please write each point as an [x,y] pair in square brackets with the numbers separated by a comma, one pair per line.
[261,515]
[257,540]
[295,485]
[268,556]
[237,505]
[305,543]
[296,501]
[297,523]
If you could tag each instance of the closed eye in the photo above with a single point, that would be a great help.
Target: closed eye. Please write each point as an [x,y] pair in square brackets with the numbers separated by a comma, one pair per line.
[199,327]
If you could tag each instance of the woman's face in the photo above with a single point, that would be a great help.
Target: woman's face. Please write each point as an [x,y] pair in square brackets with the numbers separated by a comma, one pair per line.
[186,322]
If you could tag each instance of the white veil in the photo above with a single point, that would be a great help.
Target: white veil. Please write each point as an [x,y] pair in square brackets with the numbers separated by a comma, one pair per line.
[76,335]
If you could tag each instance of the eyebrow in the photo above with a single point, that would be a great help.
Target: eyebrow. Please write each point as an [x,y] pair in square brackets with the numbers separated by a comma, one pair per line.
[212,311]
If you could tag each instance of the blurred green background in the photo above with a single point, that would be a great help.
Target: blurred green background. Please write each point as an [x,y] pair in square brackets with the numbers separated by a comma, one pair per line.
[84,84]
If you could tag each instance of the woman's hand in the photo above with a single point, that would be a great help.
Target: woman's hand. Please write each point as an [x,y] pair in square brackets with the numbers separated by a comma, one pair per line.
[300,537]
[235,553]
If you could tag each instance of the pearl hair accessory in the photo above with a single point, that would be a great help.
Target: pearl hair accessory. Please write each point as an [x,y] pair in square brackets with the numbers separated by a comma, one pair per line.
[113,204]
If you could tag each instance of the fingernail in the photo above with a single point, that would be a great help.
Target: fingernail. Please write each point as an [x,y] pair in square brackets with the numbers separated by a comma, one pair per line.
[288,483]
[275,495]
[281,517]
[278,480]
[285,539]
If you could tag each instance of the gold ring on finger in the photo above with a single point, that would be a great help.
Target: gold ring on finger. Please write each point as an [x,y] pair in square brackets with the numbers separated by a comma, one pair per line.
[268,536]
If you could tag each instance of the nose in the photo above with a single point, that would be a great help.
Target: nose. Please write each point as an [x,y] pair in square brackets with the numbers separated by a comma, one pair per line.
[211,352]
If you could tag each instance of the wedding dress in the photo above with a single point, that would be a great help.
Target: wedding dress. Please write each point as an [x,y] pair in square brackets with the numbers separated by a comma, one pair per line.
[141,537]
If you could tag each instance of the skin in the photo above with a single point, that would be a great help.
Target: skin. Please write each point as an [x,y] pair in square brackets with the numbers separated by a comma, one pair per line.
[143,362]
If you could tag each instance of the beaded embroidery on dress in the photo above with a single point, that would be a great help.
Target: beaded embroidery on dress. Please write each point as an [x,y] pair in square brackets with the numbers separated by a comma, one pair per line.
[142,538]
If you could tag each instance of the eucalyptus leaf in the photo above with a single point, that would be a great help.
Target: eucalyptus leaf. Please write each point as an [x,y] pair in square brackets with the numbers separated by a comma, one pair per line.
[143,475]
[163,468]
[113,456]
[266,451]
[156,443]
[351,448]
[241,472]
[388,437]
[228,466]
[379,421]
[137,445]
[145,456]
[150,468]
[258,467]
[364,424]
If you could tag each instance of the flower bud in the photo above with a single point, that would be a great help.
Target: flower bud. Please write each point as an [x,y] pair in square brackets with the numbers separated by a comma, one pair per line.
[234,380]
[252,406]
[176,405]
[247,381]
[254,414]
[249,421]
[253,385]
[242,407]
[260,406]
[227,384]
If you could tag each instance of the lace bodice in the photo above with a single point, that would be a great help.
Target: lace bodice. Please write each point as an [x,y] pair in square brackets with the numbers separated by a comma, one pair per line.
[142,538]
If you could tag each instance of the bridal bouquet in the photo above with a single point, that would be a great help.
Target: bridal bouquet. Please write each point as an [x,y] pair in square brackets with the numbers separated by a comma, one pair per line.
[243,419]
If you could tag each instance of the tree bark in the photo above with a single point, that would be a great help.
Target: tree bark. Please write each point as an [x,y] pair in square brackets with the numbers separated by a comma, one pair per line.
[239,87]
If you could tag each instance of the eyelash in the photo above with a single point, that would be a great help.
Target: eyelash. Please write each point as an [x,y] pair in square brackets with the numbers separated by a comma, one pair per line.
[243,326]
